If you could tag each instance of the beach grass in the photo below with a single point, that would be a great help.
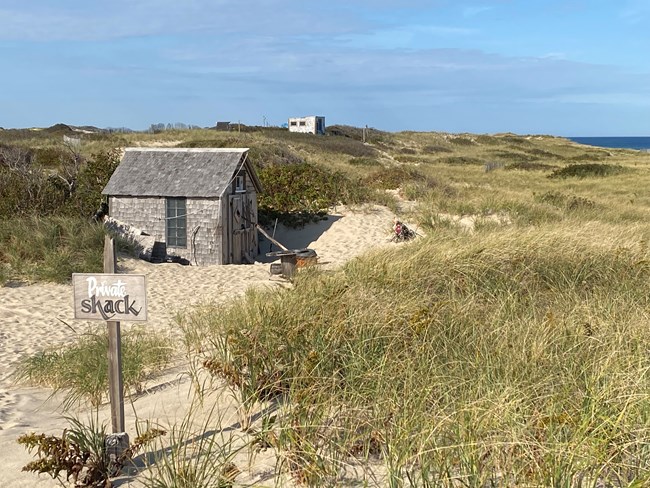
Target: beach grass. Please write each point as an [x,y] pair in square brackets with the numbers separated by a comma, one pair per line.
[502,358]
[80,370]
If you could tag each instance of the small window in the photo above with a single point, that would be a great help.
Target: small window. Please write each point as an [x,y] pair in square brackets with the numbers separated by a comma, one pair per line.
[176,218]
[240,184]
[293,123]
[303,123]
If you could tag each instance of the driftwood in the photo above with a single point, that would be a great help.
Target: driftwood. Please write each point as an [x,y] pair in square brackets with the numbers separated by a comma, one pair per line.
[263,232]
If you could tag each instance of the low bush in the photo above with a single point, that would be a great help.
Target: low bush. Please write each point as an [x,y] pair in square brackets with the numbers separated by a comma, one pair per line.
[461,141]
[566,202]
[433,149]
[394,177]
[530,166]
[588,170]
[364,161]
[80,452]
[300,193]
[461,160]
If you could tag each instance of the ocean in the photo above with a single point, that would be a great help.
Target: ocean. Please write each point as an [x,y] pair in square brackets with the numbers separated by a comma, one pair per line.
[639,143]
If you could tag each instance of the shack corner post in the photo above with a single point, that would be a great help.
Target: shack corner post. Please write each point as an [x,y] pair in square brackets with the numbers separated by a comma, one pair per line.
[110,297]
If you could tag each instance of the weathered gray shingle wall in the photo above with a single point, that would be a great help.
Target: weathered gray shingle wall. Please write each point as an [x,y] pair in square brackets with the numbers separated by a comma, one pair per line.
[203,232]
[204,245]
[145,213]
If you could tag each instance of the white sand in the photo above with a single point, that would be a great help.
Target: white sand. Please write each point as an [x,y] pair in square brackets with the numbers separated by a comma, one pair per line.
[33,317]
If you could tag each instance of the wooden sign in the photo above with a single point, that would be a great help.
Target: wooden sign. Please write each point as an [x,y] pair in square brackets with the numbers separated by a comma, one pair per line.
[110,297]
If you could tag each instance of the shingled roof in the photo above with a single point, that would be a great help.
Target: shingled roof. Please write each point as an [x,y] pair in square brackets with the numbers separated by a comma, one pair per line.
[178,172]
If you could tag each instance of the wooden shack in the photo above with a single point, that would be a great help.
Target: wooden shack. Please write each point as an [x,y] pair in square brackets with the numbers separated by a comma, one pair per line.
[202,203]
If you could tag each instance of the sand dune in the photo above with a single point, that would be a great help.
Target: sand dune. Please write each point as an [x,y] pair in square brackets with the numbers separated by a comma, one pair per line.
[33,319]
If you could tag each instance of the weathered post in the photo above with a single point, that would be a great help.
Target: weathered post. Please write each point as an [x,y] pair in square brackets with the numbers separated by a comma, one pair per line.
[115,385]
[118,442]
[111,297]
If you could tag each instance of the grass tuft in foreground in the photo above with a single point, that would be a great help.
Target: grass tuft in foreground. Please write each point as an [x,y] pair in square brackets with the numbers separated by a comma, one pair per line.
[80,369]
[509,357]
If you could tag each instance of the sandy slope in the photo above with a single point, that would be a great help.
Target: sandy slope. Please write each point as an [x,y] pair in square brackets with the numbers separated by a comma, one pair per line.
[33,317]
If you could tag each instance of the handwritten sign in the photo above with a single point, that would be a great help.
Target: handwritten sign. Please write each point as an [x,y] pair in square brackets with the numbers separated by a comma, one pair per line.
[110,297]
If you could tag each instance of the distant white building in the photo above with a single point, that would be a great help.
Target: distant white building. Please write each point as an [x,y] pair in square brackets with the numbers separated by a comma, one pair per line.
[309,125]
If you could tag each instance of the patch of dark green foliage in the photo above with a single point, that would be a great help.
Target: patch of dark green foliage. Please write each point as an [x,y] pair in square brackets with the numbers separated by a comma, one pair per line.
[394,177]
[566,202]
[296,194]
[588,170]
[434,149]
[461,160]
[66,184]
[365,161]
[530,166]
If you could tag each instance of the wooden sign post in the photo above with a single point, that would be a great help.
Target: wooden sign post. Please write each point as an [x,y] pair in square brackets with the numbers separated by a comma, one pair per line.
[111,297]
[115,384]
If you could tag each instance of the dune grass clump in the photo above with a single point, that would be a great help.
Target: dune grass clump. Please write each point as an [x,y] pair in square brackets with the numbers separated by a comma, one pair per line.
[567,202]
[394,177]
[530,166]
[436,149]
[509,358]
[49,249]
[364,161]
[80,369]
[587,170]
[461,160]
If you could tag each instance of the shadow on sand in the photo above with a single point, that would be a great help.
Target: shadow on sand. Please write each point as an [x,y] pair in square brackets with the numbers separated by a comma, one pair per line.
[299,238]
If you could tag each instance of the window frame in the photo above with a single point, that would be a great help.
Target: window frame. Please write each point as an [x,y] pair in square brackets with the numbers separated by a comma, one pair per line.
[176,222]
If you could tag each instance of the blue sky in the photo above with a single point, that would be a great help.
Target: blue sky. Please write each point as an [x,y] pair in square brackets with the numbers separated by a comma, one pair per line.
[570,67]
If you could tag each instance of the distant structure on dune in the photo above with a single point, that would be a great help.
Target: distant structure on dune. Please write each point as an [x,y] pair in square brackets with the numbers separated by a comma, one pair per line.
[312,124]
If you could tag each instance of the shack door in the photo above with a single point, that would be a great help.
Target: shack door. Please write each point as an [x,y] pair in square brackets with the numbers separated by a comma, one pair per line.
[237,226]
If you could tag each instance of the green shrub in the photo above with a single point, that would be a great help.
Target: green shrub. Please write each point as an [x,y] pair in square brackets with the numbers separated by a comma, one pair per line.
[530,166]
[393,177]
[461,141]
[564,201]
[299,193]
[588,170]
[81,453]
[462,160]
[365,161]
[433,149]
[262,155]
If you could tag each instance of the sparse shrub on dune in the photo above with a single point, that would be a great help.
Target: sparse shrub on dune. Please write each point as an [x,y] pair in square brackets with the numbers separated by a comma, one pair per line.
[462,160]
[567,202]
[530,166]
[436,149]
[364,161]
[588,170]
[394,177]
